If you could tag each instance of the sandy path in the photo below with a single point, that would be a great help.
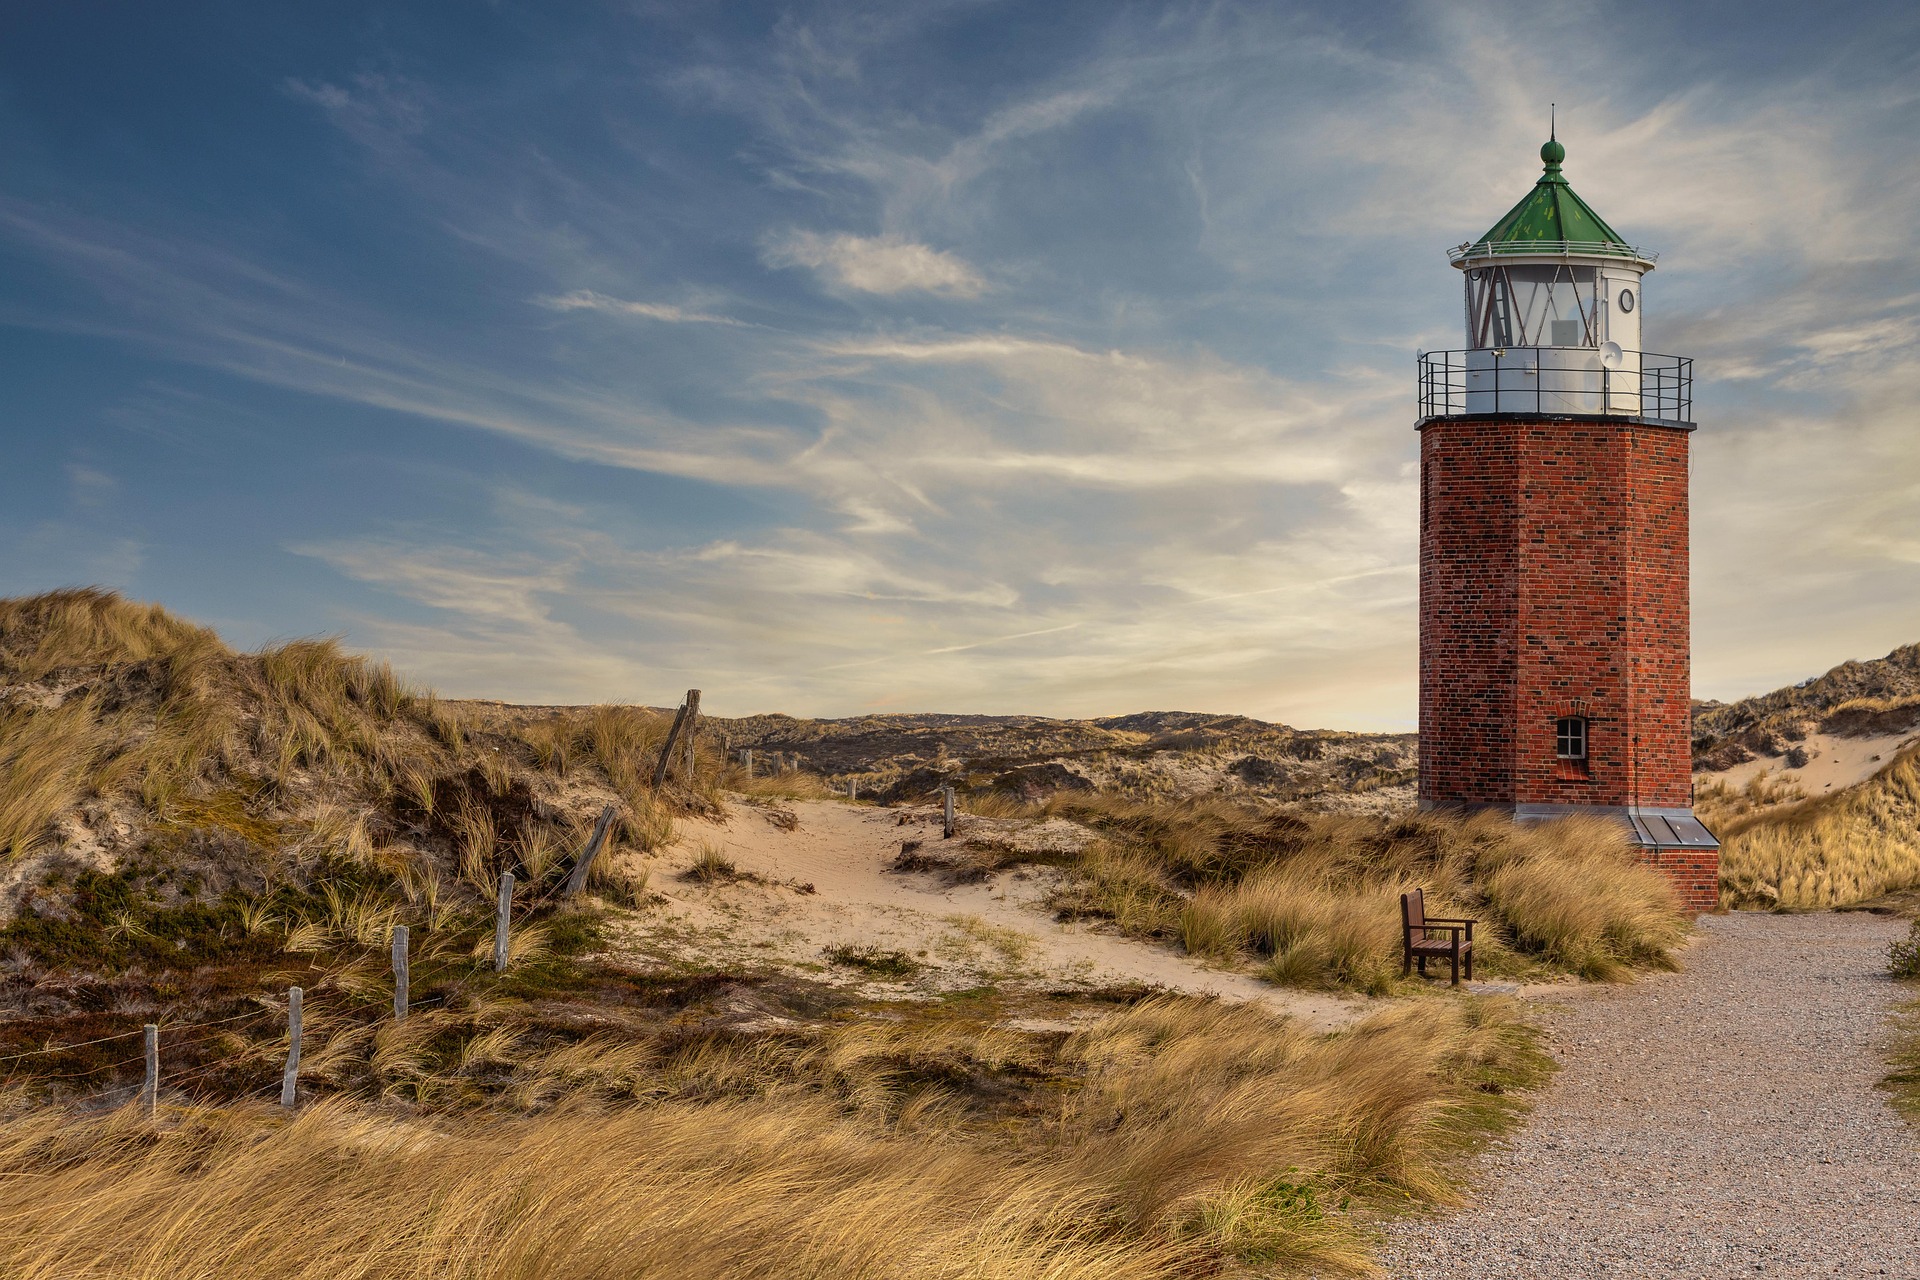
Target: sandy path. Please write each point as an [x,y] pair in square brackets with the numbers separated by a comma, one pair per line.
[1717,1122]
[966,934]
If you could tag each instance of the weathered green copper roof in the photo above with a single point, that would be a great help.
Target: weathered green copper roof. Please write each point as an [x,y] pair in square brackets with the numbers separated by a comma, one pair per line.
[1552,219]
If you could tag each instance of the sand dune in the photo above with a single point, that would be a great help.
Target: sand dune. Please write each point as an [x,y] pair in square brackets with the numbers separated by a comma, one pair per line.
[1834,764]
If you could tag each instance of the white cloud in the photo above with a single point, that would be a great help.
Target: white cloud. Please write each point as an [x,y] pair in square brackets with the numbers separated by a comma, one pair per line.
[588,300]
[880,264]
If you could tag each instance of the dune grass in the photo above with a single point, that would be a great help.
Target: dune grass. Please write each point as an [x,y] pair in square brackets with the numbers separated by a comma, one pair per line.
[279,812]
[113,703]
[1177,1137]
[1313,899]
[1831,851]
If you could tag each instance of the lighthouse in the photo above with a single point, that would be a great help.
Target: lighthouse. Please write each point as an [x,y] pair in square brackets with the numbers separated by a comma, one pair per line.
[1554,640]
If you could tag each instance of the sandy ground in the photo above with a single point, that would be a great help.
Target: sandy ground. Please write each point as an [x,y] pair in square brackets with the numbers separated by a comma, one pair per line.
[829,883]
[1718,1122]
[1837,763]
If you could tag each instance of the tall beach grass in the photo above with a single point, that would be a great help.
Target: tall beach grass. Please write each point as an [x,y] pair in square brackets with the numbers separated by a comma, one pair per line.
[1315,898]
[1174,1138]
[1832,851]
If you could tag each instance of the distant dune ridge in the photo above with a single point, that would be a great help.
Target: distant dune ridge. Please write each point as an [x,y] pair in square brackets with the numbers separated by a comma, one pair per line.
[1148,754]
[1881,695]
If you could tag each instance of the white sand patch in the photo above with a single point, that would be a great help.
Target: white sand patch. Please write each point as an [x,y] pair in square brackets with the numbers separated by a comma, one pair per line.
[1835,763]
[964,935]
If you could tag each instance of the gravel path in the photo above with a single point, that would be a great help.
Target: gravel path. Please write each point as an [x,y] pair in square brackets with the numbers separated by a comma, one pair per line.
[1718,1122]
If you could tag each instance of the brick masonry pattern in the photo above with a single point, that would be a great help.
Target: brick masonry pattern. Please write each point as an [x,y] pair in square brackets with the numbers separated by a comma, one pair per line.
[1554,582]
[1693,873]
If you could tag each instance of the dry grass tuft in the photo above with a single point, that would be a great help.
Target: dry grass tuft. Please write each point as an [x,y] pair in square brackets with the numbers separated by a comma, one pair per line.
[712,866]
[794,784]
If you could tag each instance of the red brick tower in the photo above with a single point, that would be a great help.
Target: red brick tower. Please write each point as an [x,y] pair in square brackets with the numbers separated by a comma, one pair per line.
[1554,658]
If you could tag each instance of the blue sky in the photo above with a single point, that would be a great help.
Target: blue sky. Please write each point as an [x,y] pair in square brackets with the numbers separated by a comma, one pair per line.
[963,356]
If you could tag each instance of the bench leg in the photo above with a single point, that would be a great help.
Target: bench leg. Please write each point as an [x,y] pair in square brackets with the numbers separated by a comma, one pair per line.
[1469,966]
[1406,963]
[1455,957]
[1423,966]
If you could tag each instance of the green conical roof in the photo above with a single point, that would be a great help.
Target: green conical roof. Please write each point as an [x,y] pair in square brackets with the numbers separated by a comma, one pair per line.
[1552,219]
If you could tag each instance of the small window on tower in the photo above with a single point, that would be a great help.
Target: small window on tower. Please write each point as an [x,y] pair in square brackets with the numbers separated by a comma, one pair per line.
[1570,738]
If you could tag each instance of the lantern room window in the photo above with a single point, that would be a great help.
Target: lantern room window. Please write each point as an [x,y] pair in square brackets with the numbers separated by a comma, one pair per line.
[1570,738]
[1533,306]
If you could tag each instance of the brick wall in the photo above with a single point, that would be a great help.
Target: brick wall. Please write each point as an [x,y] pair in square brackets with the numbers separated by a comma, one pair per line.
[1693,873]
[1553,582]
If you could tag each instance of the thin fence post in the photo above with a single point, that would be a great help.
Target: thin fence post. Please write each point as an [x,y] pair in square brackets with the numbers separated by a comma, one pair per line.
[666,750]
[584,863]
[746,756]
[399,973]
[292,1073]
[853,788]
[946,798]
[693,729]
[150,1087]
[500,922]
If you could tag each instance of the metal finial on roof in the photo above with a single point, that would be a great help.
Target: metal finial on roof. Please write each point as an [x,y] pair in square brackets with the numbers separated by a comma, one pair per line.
[1551,154]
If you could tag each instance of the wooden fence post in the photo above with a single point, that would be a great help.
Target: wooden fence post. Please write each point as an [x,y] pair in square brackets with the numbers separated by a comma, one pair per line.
[584,863]
[292,1072]
[853,788]
[746,757]
[946,797]
[150,1087]
[500,922]
[693,728]
[399,973]
[666,750]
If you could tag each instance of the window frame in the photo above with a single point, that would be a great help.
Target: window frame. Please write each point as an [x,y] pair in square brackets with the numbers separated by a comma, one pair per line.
[1572,732]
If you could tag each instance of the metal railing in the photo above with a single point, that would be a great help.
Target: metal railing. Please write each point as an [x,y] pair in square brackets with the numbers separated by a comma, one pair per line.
[1527,248]
[1556,380]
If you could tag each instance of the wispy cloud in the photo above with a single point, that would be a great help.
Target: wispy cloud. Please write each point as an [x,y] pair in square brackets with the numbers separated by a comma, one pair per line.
[882,264]
[588,300]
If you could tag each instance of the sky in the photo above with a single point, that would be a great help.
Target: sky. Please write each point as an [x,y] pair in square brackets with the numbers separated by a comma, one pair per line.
[975,357]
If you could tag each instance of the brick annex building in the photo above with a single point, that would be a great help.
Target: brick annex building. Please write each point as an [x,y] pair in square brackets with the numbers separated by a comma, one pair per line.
[1554,645]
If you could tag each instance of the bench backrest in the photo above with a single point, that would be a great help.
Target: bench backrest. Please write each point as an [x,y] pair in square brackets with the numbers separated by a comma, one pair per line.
[1413,915]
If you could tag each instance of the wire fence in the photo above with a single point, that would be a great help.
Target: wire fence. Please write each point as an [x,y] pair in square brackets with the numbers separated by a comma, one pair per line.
[19,1068]
[163,1044]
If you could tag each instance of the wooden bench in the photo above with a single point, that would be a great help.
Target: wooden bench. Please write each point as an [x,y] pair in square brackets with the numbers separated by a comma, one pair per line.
[1417,941]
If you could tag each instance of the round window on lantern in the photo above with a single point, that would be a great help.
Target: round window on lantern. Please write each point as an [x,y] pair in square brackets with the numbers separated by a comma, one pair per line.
[1626,301]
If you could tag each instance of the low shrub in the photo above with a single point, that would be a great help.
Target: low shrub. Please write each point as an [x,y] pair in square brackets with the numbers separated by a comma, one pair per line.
[873,960]
[1903,954]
